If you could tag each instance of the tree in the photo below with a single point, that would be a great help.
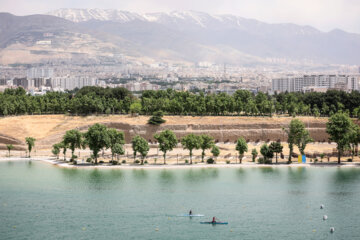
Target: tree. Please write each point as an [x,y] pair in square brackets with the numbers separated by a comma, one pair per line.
[135,108]
[339,129]
[241,147]
[115,137]
[191,142]
[140,145]
[354,139]
[156,118]
[206,143]
[97,138]
[215,150]
[30,143]
[118,149]
[276,148]
[64,148]
[56,150]
[167,141]
[266,152]
[254,154]
[73,139]
[9,148]
[298,135]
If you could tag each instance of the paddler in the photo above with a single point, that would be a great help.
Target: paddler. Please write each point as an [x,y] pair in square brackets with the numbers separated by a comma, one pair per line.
[190,213]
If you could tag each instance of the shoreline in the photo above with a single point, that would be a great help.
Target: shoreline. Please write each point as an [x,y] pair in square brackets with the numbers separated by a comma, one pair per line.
[63,164]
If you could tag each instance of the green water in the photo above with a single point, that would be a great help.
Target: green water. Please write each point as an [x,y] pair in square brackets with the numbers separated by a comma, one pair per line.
[40,201]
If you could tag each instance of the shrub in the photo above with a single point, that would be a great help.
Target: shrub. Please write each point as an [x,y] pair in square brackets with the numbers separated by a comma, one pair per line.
[114,162]
[210,161]
[123,161]
[156,118]
[145,162]
[186,161]
[101,161]
[88,160]
[227,161]
[349,160]
[137,161]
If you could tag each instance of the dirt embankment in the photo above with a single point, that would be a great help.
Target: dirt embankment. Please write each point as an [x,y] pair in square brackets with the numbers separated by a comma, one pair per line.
[49,129]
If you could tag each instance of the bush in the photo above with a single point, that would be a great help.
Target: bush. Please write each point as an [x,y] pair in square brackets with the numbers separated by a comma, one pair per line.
[227,161]
[186,161]
[145,162]
[123,161]
[263,161]
[210,161]
[74,162]
[88,160]
[137,161]
[114,162]
[156,118]
[101,161]
[349,160]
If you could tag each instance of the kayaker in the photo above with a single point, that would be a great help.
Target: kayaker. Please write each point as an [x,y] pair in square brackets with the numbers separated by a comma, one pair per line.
[214,220]
[190,213]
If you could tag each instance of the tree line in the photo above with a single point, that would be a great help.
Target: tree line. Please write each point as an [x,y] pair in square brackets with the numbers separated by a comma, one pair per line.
[97,100]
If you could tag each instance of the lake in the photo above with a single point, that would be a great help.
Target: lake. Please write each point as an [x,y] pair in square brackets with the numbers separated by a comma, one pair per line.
[41,201]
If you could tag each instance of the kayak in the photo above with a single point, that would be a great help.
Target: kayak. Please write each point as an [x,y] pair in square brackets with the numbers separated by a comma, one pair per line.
[192,215]
[214,222]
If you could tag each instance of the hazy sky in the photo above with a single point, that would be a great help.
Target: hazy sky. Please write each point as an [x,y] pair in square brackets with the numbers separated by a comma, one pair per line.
[323,14]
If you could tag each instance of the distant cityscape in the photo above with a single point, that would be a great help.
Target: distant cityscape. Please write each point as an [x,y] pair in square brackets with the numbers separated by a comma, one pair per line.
[207,77]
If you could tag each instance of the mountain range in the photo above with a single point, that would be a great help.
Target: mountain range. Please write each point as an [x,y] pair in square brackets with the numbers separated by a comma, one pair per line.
[186,36]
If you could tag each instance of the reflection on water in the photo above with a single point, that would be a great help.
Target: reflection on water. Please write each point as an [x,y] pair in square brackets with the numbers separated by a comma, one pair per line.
[140,174]
[346,175]
[196,175]
[297,175]
[241,174]
[167,176]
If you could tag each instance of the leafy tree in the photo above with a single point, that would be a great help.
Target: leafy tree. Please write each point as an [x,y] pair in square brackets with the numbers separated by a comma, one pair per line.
[167,141]
[299,135]
[73,139]
[30,143]
[140,145]
[241,147]
[115,137]
[215,150]
[117,149]
[354,138]
[206,142]
[64,148]
[97,138]
[276,148]
[9,148]
[191,142]
[56,150]
[266,152]
[135,108]
[156,118]
[254,154]
[339,129]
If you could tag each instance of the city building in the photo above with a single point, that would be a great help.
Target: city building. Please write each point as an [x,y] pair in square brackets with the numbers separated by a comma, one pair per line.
[307,83]
[40,73]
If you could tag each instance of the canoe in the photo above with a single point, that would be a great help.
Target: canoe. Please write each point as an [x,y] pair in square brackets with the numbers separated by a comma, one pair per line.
[192,215]
[214,222]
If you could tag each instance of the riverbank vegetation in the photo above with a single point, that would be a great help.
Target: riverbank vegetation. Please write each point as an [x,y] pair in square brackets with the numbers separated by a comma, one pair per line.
[340,128]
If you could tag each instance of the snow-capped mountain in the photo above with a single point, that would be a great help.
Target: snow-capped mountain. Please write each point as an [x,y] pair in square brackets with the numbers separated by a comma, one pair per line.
[178,36]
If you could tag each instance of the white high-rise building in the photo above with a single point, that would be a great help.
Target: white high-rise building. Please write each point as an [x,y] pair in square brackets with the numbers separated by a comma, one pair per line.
[40,73]
[70,83]
[306,82]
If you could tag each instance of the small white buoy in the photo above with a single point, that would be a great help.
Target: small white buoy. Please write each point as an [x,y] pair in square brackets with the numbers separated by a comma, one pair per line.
[322,206]
[324,217]
[332,229]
